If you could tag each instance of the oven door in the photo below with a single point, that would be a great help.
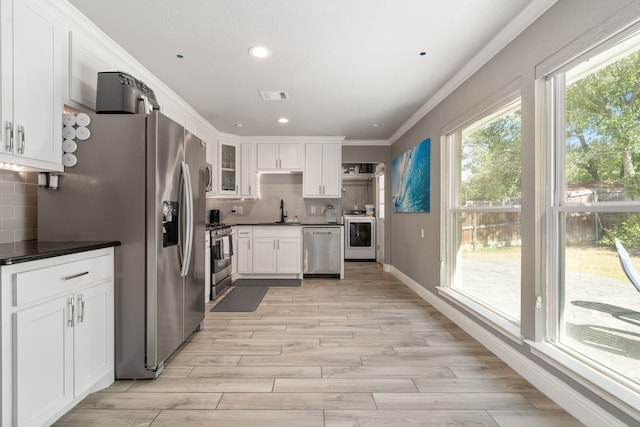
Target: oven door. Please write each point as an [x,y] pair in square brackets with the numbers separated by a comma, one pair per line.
[221,252]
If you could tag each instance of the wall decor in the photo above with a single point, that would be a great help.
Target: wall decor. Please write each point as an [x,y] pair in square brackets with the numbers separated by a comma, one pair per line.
[410,182]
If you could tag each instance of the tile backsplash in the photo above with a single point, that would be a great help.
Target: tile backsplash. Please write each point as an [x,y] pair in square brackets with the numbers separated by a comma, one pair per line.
[273,188]
[18,206]
[288,187]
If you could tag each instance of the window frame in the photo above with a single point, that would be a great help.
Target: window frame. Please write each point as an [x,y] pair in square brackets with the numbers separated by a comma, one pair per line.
[551,203]
[450,141]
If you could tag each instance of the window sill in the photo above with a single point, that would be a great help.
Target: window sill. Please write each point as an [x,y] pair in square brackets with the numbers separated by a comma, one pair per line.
[495,321]
[615,389]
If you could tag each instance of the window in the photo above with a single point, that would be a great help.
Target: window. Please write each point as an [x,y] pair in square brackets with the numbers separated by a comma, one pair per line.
[483,213]
[380,212]
[595,200]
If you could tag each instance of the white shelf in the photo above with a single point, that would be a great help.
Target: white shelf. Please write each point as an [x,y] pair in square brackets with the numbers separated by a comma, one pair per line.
[356,176]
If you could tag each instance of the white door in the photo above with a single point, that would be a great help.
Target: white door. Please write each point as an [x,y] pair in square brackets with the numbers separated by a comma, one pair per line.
[288,255]
[244,256]
[37,96]
[312,176]
[264,255]
[43,361]
[380,205]
[93,329]
[290,156]
[267,157]
[332,170]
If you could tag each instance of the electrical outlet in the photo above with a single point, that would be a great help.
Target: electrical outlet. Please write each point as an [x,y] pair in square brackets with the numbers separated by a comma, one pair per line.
[240,210]
[313,209]
[234,209]
[422,233]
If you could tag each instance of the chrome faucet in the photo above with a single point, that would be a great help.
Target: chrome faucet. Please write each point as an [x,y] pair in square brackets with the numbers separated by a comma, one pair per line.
[283,215]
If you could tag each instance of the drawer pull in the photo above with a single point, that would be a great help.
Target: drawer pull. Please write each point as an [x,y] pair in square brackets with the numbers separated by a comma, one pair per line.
[75,276]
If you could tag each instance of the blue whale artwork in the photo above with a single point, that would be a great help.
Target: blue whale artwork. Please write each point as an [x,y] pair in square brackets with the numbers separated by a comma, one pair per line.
[410,182]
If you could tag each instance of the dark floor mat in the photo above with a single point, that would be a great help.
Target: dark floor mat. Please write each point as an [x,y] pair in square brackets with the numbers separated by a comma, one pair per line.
[243,299]
[272,283]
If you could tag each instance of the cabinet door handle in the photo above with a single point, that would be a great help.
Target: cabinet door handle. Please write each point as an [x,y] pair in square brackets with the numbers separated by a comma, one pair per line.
[71,311]
[75,276]
[249,188]
[9,146]
[21,132]
[81,309]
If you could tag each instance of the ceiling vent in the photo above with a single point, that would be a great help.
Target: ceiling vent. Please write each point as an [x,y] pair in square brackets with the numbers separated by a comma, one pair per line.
[274,95]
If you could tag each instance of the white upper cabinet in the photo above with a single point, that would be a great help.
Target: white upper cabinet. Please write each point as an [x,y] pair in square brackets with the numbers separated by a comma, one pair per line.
[228,168]
[248,170]
[286,157]
[322,171]
[33,47]
[87,57]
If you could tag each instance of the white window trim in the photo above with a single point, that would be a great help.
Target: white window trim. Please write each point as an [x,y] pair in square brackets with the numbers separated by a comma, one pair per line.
[607,385]
[498,322]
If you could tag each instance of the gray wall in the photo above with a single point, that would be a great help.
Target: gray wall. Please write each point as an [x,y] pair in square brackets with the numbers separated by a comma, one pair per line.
[18,206]
[420,258]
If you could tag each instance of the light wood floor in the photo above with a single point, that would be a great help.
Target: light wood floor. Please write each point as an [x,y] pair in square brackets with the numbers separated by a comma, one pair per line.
[364,351]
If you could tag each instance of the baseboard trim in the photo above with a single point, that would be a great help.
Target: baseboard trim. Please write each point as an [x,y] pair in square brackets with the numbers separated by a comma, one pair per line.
[576,404]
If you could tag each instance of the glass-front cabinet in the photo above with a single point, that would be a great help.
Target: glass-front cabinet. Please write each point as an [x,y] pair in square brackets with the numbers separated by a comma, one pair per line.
[228,167]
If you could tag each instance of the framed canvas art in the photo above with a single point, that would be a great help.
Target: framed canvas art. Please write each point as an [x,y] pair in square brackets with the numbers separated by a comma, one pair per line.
[410,179]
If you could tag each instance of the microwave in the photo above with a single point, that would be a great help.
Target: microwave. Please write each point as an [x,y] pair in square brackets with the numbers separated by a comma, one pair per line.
[209,178]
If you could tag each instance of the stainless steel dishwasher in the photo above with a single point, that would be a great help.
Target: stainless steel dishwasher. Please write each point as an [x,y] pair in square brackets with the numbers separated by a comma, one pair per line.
[322,256]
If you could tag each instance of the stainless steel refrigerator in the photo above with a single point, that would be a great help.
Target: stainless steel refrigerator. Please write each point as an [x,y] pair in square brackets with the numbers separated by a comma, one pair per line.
[139,179]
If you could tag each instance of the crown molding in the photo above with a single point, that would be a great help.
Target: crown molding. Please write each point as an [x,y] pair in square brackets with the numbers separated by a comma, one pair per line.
[366,142]
[502,39]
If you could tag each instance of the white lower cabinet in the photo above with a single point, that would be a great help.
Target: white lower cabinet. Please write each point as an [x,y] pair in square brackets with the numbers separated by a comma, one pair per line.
[244,255]
[57,334]
[270,251]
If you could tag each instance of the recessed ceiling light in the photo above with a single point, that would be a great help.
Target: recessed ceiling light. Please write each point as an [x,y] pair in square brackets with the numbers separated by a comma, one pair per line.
[259,51]
[283,120]
[238,125]
[374,125]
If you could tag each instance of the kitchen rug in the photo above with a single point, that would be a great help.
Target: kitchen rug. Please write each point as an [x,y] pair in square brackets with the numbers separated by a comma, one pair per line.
[243,299]
[272,283]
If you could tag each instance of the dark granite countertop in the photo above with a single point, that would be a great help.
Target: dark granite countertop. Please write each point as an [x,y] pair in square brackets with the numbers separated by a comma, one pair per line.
[31,250]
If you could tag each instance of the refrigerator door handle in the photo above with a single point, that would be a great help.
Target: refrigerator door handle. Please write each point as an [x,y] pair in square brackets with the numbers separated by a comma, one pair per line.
[188,240]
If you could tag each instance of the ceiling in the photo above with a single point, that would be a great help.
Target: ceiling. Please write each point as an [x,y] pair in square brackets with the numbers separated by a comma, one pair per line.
[350,68]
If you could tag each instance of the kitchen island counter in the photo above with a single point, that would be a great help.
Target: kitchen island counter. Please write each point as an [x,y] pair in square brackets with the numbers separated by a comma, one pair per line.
[32,250]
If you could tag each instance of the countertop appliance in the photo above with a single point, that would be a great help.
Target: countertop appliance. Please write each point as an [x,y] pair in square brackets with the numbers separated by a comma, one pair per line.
[214,218]
[119,92]
[322,251]
[139,179]
[360,236]
[220,263]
